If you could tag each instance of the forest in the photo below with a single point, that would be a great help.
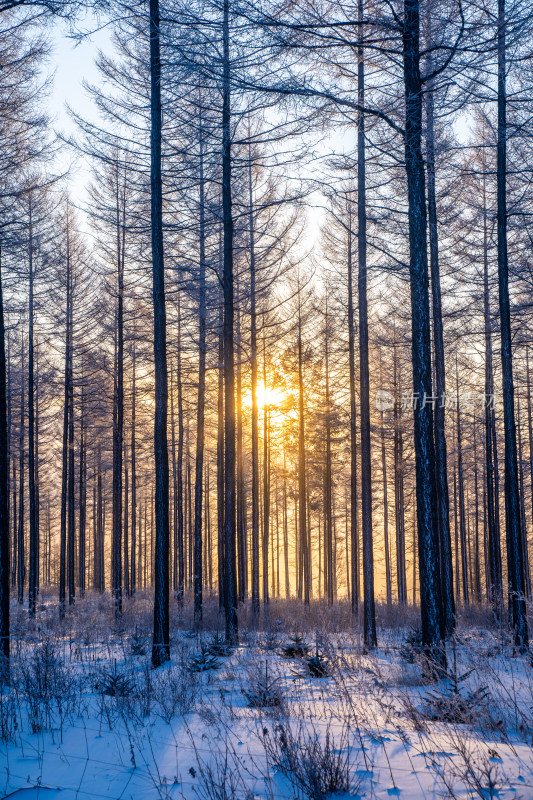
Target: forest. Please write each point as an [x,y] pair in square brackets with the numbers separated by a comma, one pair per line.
[266,416]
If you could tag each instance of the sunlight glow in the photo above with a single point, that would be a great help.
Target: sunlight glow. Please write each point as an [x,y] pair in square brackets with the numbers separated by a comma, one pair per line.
[270,396]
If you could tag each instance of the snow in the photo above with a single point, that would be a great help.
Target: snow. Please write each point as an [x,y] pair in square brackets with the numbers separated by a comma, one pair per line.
[172,733]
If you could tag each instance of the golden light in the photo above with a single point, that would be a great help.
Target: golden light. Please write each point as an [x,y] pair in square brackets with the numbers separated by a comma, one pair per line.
[266,396]
[269,396]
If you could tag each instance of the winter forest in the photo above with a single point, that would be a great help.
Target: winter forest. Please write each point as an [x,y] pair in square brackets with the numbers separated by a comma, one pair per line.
[266,415]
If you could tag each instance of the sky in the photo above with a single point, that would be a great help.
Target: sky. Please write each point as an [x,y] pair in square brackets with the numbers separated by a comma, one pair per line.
[71,63]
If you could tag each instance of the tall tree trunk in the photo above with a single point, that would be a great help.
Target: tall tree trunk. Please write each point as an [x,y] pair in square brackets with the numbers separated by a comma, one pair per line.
[161,642]
[133,580]
[21,550]
[512,500]
[529,424]
[369,622]
[462,513]
[37,484]
[241,493]
[399,502]
[230,576]
[95,526]
[492,507]
[525,551]
[4,495]
[354,543]
[220,460]
[426,487]
[255,413]
[82,497]
[302,482]
[34,563]
[200,412]
[266,480]
[328,491]
[441,459]
[477,559]
[174,489]
[285,530]
[64,468]
[71,534]
[385,514]
[118,417]
[181,527]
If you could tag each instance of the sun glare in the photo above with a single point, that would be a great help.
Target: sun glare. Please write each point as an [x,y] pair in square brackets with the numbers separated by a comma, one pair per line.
[266,396]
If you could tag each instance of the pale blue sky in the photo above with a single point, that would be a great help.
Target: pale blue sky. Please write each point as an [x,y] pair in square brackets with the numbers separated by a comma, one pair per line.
[71,64]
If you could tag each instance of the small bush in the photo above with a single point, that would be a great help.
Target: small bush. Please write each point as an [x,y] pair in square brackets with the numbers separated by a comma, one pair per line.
[412,649]
[297,648]
[317,765]
[174,692]
[218,647]
[47,688]
[137,644]
[8,716]
[203,661]
[114,683]
[263,691]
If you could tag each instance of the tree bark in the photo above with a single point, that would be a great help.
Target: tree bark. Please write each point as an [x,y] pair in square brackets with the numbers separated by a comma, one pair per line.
[369,621]
[230,576]
[354,538]
[200,412]
[255,413]
[34,563]
[515,559]
[4,495]
[441,458]
[161,642]
[426,487]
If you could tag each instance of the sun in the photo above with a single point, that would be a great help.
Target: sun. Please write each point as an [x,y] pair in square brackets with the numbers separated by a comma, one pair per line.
[266,396]
[269,396]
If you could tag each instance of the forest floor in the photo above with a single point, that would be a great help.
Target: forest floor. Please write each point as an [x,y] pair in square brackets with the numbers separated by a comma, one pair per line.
[298,710]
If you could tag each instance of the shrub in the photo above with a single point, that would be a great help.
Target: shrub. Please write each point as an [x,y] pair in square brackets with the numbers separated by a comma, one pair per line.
[317,765]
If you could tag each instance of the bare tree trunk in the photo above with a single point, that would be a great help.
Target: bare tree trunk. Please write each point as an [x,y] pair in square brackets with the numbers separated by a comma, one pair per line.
[328,492]
[181,527]
[460,481]
[441,459]
[161,642]
[354,538]
[230,576]
[118,419]
[82,500]
[64,471]
[220,462]
[426,486]
[399,500]
[34,563]
[266,480]
[133,582]
[369,623]
[512,500]
[492,507]
[477,560]
[385,514]
[4,495]
[255,414]
[200,412]
[21,550]
[241,488]
[525,551]
[71,533]
[529,424]
[302,482]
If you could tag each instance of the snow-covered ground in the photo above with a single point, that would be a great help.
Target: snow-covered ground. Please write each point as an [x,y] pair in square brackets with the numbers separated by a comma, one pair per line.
[86,717]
